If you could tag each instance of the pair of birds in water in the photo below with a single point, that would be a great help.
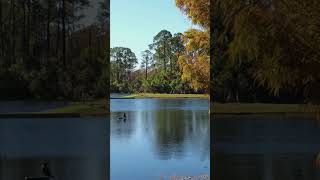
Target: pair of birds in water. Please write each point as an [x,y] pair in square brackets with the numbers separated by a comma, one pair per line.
[124,117]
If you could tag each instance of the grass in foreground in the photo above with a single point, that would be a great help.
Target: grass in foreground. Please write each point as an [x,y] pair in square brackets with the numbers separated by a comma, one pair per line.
[164,96]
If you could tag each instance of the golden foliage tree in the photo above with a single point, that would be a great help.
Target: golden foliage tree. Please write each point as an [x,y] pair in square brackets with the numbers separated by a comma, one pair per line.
[281,39]
[197,10]
[195,61]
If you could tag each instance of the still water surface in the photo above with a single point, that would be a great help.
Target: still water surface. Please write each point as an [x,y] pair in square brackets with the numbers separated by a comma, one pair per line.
[265,147]
[159,138]
[75,148]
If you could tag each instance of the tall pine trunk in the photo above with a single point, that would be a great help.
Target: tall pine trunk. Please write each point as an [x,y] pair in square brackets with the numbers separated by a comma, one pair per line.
[13,30]
[146,71]
[58,38]
[1,33]
[48,29]
[164,57]
[24,31]
[28,35]
[64,33]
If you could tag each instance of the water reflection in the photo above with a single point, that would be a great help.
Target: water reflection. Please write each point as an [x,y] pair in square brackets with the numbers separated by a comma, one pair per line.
[75,148]
[272,147]
[136,105]
[122,129]
[177,131]
[162,135]
[171,133]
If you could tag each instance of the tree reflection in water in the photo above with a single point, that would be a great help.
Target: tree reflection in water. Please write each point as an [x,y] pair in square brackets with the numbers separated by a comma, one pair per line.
[122,128]
[175,132]
[163,135]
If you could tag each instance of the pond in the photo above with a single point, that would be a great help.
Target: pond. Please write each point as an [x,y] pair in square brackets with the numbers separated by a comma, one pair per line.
[265,147]
[74,148]
[159,138]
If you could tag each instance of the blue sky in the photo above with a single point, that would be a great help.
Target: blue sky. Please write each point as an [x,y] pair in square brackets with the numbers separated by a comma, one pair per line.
[134,23]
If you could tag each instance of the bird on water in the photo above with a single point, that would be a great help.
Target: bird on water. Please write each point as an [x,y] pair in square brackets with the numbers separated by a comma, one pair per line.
[123,117]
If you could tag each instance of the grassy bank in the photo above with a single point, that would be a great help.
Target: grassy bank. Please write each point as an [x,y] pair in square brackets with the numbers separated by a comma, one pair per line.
[92,108]
[257,108]
[99,107]
[164,96]
[74,109]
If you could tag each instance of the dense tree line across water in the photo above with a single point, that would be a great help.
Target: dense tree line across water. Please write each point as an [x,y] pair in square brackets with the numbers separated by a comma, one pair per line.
[47,51]
[261,51]
[159,71]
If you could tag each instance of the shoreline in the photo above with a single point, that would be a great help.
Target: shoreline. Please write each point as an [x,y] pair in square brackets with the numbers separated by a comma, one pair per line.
[261,108]
[162,96]
[50,115]
[81,115]
[100,108]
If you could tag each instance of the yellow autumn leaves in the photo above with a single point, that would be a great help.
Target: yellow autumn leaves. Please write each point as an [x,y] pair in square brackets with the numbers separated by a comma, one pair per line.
[195,60]
[197,10]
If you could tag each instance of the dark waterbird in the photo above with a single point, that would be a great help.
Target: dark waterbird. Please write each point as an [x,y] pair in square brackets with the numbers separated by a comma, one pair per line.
[124,117]
[46,173]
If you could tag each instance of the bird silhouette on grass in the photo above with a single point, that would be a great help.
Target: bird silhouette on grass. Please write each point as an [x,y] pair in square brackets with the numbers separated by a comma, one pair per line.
[46,170]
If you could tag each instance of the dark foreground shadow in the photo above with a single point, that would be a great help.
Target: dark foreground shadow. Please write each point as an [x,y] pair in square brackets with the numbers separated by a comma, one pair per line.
[74,148]
[265,147]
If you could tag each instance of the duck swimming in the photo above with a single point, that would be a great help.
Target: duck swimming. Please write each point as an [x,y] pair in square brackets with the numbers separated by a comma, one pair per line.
[124,117]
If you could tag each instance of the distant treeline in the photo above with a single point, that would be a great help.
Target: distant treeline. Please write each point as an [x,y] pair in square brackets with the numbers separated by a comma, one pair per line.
[47,53]
[159,71]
